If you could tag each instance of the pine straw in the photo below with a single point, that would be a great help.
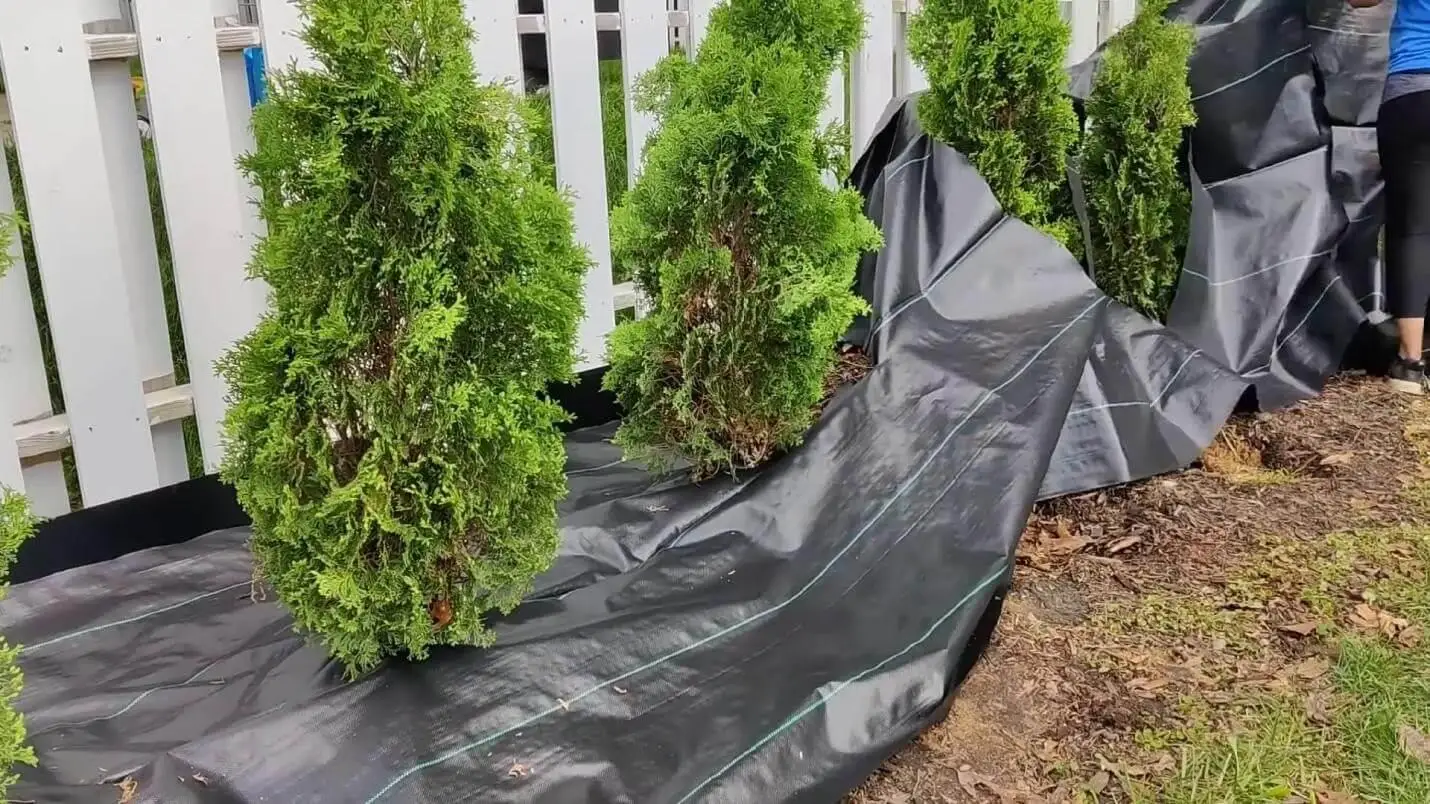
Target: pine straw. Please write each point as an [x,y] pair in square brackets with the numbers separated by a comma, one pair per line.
[1057,700]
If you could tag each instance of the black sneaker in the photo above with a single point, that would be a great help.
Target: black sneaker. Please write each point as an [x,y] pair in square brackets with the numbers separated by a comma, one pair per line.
[1407,376]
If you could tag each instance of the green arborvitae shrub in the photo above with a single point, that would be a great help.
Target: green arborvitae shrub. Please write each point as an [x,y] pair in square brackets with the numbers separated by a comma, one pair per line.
[16,525]
[1139,207]
[389,432]
[747,257]
[997,94]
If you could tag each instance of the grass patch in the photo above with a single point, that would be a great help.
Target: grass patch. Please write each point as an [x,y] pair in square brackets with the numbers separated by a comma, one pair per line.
[1272,756]
[1234,459]
[1360,733]
[1387,693]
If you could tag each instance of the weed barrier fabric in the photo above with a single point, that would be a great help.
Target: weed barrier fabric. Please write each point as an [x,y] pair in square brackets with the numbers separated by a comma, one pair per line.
[1282,268]
[767,639]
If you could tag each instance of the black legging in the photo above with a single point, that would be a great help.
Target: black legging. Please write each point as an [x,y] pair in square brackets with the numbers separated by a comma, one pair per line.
[1404,135]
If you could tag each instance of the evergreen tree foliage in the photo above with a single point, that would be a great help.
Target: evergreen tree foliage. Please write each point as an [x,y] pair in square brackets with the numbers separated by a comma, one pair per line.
[16,525]
[747,256]
[389,433]
[1139,207]
[997,94]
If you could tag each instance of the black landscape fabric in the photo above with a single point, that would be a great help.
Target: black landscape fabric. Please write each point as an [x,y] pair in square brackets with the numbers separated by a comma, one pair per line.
[773,638]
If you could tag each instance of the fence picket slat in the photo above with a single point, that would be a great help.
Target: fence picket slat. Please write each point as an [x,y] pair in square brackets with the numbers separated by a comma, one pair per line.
[1083,20]
[281,26]
[911,77]
[580,162]
[138,251]
[699,22]
[873,72]
[1119,13]
[10,475]
[645,33]
[240,137]
[24,391]
[497,48]
[56,128]
[201,198]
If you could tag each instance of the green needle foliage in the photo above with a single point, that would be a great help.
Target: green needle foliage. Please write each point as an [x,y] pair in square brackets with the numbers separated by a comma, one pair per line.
[389,432]
[998,95]
[16,525]
[1139,208]
[747,256]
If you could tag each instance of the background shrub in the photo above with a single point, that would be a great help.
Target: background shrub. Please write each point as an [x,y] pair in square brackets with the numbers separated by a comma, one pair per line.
[1139,206]
[998,95]
[389,432]
[747,256]
[16,525]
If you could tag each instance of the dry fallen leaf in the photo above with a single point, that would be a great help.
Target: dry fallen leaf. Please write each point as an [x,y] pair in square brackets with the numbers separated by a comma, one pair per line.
[1365,616]
[1332,797]
[1123,544]
[1312,668]
[1338,459]
[128,791]
[970,781]
[1413,743]
[1301,629]
[1318,709]
[1410,636]
[518,771]
[1098,782]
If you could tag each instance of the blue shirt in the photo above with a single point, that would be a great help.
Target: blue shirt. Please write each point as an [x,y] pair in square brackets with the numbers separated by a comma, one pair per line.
[1410,37]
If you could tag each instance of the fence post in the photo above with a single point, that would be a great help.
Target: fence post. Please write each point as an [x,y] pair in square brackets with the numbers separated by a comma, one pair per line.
[1082,19]
[1119,13]
[873,73]
[497,48]
[197,176]
[645,31]
[24,390]
[911,77]
[581,160]
[56,127]
[281,26]
[699,16]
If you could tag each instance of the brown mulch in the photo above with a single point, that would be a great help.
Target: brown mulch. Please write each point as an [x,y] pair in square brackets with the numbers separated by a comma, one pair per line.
[1047,712]
[851,365]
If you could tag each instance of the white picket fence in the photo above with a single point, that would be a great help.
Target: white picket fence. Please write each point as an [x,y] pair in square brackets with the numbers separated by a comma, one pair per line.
[72,115]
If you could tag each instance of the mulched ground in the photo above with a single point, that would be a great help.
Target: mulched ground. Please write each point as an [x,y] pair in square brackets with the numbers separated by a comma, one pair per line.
[1048,712]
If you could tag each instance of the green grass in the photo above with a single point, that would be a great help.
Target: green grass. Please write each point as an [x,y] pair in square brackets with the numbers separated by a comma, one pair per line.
[1386,689]
[1273,757]
[1269,749]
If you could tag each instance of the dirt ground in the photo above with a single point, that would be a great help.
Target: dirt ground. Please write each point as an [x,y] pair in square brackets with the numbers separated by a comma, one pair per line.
[1134,606]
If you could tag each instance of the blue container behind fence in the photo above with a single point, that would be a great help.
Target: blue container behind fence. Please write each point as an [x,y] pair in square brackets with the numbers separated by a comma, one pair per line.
[253,65]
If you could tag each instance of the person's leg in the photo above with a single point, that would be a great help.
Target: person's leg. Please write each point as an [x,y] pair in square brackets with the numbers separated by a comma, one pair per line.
[1412,337]
[1404,133]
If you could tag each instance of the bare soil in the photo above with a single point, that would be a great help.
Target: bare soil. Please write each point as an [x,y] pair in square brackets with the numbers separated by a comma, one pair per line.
[1085,660]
